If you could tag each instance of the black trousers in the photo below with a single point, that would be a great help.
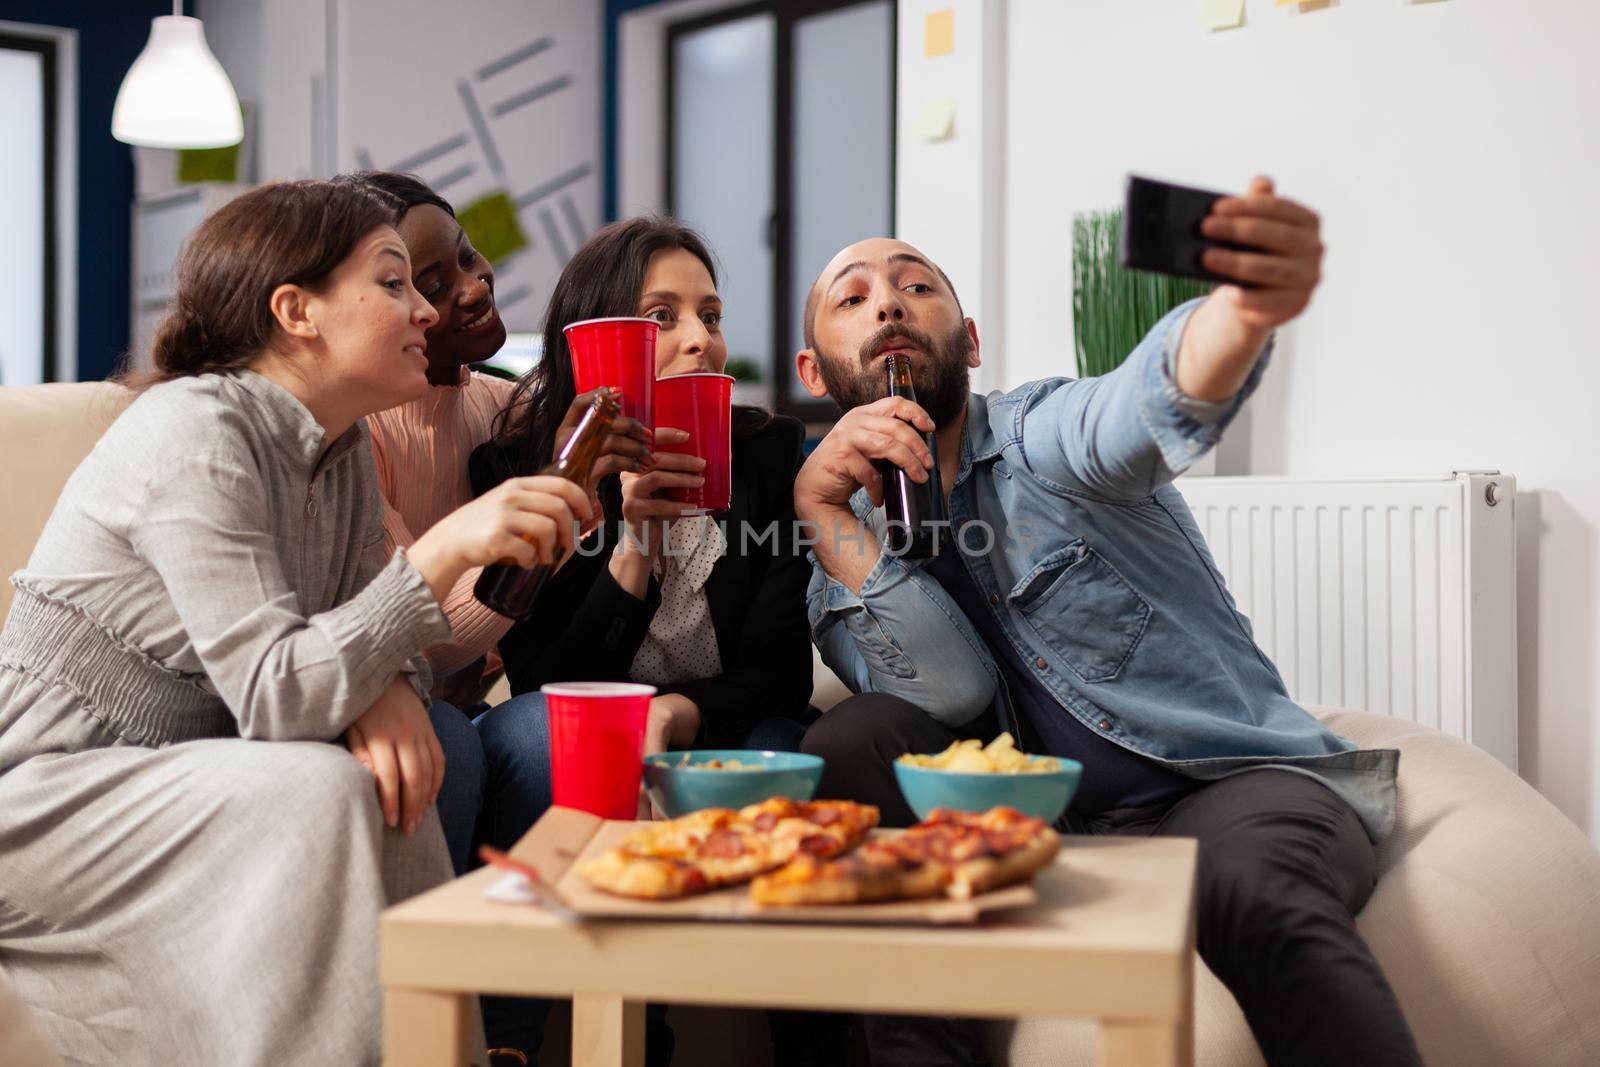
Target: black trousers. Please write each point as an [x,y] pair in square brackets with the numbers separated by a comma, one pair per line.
[1284,867]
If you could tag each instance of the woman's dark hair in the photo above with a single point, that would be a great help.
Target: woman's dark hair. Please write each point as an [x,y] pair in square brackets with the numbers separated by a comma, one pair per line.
[407,190]
[286,233]
[602,280]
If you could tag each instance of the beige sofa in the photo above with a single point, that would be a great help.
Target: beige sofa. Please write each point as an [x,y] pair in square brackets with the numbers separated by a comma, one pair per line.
[1486,918]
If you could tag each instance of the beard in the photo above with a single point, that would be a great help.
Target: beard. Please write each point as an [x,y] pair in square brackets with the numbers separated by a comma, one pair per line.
[940,379]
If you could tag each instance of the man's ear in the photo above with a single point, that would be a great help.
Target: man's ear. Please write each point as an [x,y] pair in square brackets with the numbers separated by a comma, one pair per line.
[972,335]
[805,363]
[291,307]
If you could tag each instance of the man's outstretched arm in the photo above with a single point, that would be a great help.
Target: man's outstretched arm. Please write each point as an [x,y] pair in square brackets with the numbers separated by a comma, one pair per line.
[1126,433]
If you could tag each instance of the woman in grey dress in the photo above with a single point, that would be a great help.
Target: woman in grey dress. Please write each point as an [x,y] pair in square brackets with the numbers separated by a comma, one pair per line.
[208,665]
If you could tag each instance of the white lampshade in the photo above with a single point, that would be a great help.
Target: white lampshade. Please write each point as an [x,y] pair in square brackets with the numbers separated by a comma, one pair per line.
[176,94]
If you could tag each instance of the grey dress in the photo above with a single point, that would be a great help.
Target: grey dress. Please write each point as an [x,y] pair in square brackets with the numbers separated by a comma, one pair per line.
[190,873]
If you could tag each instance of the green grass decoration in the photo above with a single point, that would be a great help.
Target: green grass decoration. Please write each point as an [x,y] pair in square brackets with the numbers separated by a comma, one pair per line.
[492,227]
[1112,308]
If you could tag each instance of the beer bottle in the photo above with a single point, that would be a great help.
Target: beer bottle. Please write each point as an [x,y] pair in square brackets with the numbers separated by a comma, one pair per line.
[915,511]
[509,588]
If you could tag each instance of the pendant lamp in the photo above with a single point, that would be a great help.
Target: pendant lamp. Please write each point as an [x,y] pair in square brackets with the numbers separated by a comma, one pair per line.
[176,94]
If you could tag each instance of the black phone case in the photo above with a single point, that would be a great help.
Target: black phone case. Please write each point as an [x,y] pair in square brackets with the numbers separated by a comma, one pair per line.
[1161,229]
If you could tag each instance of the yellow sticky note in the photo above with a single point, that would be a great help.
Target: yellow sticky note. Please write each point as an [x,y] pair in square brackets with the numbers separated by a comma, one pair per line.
[1222,14]
[936,121]
[939,33]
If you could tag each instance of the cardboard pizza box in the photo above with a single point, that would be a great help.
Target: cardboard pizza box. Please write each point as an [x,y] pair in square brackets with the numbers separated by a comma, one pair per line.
[563,836]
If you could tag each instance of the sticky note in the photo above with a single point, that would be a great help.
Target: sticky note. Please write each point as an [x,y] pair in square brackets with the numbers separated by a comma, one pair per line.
[936,121]
[212,164]
[1222,14]
[492,227]
[939,34]
[209,164]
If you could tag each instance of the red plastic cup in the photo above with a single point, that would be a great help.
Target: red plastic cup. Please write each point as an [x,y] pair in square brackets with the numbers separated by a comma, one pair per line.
[597,745]
[620,353]
[703,405]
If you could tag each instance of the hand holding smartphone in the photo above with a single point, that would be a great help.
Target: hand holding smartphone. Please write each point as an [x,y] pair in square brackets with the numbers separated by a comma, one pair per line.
[1264,249]
[1161,229]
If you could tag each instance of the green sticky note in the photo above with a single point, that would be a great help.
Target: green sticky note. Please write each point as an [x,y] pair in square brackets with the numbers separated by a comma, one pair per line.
[212,164]
[1222,14]
[936,121]
[492,227]
[209,164]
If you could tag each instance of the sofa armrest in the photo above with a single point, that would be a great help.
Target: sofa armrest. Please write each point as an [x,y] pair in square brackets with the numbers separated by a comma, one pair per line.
[1486,917]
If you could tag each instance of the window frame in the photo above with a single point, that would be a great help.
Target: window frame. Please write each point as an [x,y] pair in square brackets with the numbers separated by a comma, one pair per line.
[780,223]
[48,48]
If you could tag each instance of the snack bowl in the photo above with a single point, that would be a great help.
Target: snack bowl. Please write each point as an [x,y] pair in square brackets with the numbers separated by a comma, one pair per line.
[681,782]
[1042,794]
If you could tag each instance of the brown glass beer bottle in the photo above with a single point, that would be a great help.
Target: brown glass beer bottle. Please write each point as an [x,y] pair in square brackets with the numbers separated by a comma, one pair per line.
[511,589]
[915,511]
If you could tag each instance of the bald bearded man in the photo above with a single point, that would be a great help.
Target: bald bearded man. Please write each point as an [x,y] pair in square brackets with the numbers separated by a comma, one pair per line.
[1074,602]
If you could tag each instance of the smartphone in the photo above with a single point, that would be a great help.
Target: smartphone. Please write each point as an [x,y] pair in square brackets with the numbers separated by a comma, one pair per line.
[1161,229]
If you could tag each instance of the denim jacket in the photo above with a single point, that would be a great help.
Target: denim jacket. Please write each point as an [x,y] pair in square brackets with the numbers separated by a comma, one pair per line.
[1098,575]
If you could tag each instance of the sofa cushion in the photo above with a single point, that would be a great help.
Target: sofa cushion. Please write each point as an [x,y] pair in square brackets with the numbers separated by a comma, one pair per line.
[1486,921]
[45,431]
[1486,918]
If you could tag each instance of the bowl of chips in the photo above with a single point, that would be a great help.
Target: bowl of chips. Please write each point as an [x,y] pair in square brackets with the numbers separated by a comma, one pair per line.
[681,782]
[973,776]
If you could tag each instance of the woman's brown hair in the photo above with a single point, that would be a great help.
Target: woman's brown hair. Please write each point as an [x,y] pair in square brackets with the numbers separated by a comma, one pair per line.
[285,233]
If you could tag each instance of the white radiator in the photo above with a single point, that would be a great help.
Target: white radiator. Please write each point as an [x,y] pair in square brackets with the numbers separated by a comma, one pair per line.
[1396,597]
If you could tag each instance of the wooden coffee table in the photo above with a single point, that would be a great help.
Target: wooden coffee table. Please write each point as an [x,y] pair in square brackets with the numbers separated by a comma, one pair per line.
[1110,937]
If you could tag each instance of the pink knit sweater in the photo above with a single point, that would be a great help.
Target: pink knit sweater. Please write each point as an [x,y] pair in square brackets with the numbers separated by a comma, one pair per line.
[421,449]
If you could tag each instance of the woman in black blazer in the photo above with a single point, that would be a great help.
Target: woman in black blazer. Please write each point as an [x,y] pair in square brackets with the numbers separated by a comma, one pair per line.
[719,626]
[586,627]
[730,651]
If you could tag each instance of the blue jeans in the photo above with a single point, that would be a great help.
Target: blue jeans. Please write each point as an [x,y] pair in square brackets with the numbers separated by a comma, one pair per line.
[465,776]
[516,750]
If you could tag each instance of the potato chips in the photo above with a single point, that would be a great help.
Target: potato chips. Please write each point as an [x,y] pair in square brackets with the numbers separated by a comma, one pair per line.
[972,756]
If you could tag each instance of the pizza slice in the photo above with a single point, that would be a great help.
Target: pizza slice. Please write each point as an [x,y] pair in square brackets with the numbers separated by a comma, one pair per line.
[719,847]
[642,877]
[984,851]
[819,827]
[874,872]
[958,854]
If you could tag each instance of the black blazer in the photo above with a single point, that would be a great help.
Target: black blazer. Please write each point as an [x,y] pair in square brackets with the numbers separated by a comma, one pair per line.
[585,627]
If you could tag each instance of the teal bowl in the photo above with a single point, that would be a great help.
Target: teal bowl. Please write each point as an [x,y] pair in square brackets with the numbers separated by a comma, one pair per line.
[678,789]
[1043,796]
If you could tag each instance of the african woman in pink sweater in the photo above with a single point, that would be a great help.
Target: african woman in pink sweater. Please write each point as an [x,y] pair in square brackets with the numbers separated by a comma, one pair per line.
[421,450]
[421,447]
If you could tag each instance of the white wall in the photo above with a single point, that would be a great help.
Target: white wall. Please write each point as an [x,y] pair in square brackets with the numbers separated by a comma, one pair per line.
[950,195]
[337,85]
[1454,154]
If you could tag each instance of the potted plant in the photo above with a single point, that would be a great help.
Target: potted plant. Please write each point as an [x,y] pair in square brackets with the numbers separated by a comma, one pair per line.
[1113,308]
[748,388]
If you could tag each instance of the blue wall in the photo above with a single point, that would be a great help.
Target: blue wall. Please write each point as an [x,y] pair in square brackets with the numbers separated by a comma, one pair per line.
[615,9]
[110,35]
